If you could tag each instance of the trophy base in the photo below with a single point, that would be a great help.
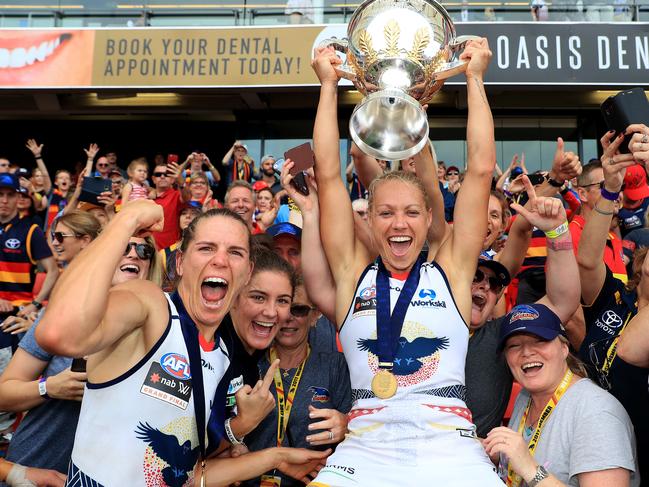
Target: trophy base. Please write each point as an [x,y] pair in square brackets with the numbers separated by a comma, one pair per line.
[390,125]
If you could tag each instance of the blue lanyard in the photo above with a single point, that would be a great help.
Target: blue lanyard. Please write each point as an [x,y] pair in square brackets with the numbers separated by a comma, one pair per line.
[190,334]
[388,326]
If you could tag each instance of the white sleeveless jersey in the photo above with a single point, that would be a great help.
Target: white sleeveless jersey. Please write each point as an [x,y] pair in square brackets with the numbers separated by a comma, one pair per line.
[424,434]
[139,429]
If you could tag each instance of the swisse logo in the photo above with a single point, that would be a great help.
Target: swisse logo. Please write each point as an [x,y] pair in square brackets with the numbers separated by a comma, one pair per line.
[176,365]
[12,243]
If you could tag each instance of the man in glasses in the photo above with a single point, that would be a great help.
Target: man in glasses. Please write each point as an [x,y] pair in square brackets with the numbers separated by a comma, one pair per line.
[589,188]
[103,168]
[171,199]
[488,379]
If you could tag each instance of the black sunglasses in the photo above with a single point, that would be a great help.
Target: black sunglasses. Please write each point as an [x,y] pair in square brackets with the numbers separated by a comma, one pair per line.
[160,174]
[301,310]
[452,173]
[494,284]
[143,250]
[59,236]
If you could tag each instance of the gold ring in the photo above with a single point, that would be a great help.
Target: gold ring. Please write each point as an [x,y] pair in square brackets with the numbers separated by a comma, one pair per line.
[331,435]
[611,161]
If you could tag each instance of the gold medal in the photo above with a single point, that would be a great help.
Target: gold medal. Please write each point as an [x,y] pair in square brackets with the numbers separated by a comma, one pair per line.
[384,384]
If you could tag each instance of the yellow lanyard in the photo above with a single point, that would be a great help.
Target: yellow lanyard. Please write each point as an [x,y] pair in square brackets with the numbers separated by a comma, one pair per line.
[284,405]
[612,350]
[513,479]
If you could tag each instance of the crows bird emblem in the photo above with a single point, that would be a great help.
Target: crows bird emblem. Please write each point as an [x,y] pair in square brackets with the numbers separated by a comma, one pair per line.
[180,458]
[408,354]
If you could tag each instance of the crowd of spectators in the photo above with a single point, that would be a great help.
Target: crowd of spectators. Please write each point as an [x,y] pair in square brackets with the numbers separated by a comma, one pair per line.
[557,319]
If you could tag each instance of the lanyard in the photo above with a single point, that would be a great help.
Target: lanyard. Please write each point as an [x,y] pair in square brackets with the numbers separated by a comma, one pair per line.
[190,334]
[284,405]
[388,326]
[612,350]
[513,479]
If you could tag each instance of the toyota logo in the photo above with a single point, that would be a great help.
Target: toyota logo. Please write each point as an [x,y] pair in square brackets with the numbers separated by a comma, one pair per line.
[611,319]
[12,243]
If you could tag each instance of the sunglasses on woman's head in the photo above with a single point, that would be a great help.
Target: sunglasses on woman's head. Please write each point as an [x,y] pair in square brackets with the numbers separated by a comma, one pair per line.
[143,250]
[59,236]
[300,310]
[494,283]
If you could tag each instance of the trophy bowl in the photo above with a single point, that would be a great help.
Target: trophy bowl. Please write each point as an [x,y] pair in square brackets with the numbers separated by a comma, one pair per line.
[398,55]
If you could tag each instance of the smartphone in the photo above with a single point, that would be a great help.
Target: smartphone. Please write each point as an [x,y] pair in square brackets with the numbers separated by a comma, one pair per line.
[303,157]
[623,109]
[277,167]
[91,189]
[78,365]
[172,158]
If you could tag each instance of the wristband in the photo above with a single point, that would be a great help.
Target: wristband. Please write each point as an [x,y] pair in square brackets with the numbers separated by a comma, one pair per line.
[17,477]
[37,305]
[607,195]
[554,183]
[565,245]
[557,232]
[230,434]
[42,388]
[603,212]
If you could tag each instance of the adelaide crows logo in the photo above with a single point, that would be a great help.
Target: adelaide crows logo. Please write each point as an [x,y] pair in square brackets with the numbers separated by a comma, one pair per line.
[418,354]
[168,461]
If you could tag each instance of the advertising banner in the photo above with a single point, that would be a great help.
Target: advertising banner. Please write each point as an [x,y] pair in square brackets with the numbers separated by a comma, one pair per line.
[525,53]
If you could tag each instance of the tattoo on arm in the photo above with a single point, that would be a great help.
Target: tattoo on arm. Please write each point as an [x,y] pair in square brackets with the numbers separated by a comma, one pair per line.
[481,90]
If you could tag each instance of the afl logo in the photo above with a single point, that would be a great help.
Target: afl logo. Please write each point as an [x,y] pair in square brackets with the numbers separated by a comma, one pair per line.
[368,293]
[177,365]
[12,243]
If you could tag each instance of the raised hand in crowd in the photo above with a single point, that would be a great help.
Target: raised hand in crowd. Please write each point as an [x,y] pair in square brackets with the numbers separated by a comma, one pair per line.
[67,385]
[17,324]
[318,280]
[254,403]
[92,151]
[544,213]
[37,151]
[74,199]
[333,424]
[565,165]
[614,163]
[34,147]
[639,143]
[173,170]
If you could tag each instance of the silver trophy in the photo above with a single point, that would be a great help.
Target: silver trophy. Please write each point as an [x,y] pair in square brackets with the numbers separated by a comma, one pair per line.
[398,54]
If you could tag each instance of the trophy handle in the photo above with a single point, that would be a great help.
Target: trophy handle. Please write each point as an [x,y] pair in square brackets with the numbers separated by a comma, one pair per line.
[454,65]
[342,46]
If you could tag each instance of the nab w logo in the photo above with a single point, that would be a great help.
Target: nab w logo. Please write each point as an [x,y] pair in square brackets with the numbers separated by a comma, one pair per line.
[427,293]
[176,365]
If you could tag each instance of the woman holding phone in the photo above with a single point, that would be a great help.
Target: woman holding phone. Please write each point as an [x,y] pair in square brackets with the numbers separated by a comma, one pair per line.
[405,334]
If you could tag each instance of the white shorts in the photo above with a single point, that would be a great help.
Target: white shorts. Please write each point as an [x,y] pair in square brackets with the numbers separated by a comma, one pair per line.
[383,451]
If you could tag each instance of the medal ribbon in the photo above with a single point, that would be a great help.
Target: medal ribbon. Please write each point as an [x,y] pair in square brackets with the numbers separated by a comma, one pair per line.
[388,326]
[190,334]
[284,405]
[513,479]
